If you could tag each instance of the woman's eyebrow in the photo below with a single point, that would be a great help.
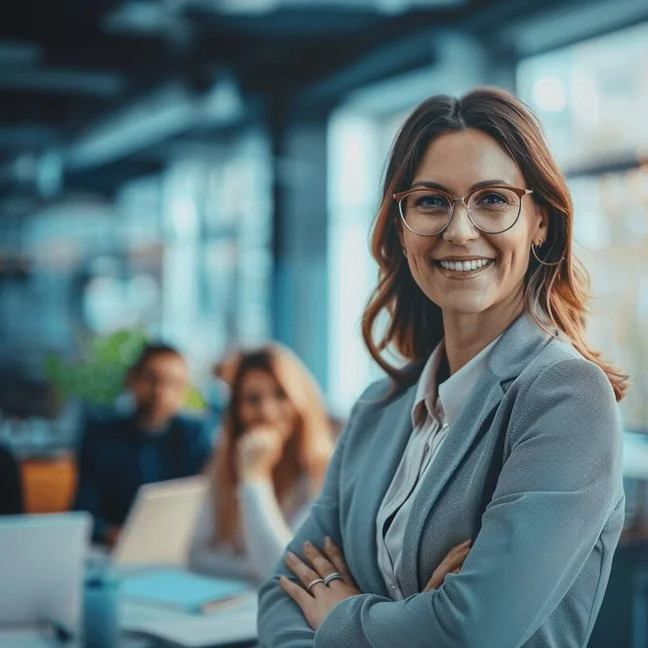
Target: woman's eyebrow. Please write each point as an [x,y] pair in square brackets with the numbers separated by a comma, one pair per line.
[482,183]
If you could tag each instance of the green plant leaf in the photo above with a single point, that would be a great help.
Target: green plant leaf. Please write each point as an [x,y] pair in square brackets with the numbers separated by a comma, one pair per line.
[98,377]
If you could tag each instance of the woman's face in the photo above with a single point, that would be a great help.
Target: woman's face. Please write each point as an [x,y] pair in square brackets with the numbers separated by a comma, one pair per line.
[263,402]
[457,162]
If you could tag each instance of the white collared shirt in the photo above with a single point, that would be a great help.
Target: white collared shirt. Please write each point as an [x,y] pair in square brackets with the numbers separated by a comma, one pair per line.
[432,417]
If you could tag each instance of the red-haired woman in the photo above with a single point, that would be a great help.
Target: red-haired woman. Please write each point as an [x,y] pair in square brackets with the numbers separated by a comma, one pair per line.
[501,434]
[268,466]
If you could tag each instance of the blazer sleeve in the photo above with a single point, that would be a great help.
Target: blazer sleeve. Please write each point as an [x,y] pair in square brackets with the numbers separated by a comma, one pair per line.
[559,487]
[280,622]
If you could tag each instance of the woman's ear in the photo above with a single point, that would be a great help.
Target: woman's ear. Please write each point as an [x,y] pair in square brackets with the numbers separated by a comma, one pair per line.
[542,229]
[399,231]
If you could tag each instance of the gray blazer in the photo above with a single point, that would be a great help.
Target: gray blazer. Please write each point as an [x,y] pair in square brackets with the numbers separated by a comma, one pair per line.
[530,470]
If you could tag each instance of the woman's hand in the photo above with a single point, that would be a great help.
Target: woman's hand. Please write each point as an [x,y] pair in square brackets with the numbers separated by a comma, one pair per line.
[258,452]
[316,598]
[451,564]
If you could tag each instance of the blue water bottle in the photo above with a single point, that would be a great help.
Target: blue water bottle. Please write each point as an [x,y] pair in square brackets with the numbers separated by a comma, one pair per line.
[100,606]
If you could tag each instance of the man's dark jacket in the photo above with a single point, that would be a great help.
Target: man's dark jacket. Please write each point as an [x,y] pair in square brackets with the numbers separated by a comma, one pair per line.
[116,457]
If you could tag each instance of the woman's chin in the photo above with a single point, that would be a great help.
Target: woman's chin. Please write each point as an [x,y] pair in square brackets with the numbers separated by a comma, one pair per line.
[467,303]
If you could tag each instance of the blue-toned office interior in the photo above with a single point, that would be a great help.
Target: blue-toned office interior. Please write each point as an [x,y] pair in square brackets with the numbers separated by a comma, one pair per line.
[188,191]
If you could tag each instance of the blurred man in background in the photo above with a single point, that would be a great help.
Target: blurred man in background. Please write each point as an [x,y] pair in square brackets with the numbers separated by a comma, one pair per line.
[154,443]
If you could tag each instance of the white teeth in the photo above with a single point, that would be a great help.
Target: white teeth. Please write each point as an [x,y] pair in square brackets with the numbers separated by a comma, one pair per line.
[464,266]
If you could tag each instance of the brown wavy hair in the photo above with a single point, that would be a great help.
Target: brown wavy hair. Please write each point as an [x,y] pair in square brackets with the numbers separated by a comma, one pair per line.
[307,451]
[556,296]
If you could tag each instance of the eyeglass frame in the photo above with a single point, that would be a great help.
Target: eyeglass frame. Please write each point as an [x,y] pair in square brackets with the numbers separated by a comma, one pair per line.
[520,193]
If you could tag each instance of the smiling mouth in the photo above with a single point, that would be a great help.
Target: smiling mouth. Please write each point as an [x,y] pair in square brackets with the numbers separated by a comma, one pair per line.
[465,268]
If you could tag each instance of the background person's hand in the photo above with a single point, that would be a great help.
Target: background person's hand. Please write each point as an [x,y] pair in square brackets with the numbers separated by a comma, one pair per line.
[112,535]
[451,564]
[258,452]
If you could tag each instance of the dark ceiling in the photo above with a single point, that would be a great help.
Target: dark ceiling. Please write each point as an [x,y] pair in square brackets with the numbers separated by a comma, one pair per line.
[90,89]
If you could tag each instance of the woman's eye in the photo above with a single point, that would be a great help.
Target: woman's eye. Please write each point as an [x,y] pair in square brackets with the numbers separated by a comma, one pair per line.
[431,201]
[280,394]
[492,199]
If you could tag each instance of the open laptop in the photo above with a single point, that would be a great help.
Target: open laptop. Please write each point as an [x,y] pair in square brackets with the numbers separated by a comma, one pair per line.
[41,574]
[160,524]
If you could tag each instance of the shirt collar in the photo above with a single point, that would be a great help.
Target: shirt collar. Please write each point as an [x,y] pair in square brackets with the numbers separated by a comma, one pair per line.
[453,391]
[148,433]
[426,387]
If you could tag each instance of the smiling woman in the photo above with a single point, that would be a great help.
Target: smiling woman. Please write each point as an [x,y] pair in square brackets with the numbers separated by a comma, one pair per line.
[475,499]
[470,255]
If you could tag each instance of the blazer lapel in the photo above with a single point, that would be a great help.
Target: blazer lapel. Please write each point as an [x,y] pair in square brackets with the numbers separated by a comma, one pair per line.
[392,431]
[484,397]
[519,343]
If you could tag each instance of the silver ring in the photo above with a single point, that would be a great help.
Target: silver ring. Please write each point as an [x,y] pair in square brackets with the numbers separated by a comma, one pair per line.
[312,584]
[332,576]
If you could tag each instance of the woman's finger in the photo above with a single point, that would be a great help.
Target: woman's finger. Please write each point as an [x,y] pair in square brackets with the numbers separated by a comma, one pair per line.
[455,556]
[335,556]
[296,593]
[320,563]
[432,584]
[298,567]
[459,548]
[451,562]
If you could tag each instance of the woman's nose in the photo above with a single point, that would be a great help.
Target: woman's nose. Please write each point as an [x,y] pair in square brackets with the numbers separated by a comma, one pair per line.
[269,410]
[460,229]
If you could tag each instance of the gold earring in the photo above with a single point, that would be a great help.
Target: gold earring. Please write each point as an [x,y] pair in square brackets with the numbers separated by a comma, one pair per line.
[404,252]
[539,260]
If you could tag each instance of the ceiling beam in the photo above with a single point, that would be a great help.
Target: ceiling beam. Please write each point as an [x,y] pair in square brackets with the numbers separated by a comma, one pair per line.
[162,115]
[383,60]
[14,52]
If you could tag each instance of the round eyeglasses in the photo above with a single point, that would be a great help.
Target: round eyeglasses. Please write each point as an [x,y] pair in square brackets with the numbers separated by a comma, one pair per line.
[428,212]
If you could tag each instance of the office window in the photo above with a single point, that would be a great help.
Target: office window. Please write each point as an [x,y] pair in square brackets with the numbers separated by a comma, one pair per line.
[352,198]
[359,144]
[592,99]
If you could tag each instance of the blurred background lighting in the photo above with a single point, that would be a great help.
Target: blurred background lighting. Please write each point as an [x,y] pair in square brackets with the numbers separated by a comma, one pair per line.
[585,97]
[550,95]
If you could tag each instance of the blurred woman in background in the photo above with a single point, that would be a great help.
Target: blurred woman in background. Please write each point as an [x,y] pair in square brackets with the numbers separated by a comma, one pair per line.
[268,465]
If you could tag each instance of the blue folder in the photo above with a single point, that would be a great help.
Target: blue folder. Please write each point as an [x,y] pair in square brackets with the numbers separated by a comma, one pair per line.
[182,590]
